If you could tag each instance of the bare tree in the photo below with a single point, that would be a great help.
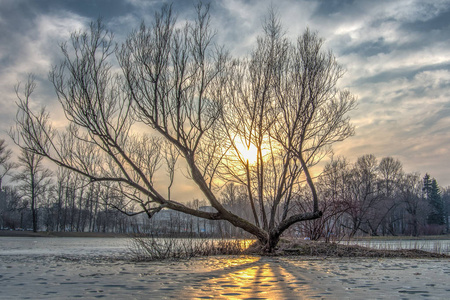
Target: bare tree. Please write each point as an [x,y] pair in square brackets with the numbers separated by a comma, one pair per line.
[171,156]
[174,80]
[282,101]
[411,197]
[333,189]
[10,206]
[390,173]
[6,165]
[364,201]
[34,180]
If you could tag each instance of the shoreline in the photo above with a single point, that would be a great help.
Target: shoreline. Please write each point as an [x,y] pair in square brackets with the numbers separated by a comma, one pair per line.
[17,233]
[286,248]
[403,238]
[28,233]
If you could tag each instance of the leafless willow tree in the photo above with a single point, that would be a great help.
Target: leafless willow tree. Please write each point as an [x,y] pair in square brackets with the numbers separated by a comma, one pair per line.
[175,82]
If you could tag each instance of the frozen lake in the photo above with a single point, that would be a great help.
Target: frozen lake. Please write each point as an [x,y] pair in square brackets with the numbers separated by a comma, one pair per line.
[62,246]
[61,268]
[119,247]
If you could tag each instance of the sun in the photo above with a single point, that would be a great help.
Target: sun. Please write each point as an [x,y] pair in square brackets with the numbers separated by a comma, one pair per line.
[248,154]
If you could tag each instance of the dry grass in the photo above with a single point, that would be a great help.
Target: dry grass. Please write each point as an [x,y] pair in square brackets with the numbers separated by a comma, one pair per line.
[150,248]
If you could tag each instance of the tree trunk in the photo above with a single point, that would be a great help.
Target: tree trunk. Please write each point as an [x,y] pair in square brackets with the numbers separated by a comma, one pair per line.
[33,202]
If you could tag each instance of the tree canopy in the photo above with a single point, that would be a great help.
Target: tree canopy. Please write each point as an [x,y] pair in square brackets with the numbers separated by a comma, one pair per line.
[170,83]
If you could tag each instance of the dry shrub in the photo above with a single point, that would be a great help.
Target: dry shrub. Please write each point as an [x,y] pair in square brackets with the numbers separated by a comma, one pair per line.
[152,248]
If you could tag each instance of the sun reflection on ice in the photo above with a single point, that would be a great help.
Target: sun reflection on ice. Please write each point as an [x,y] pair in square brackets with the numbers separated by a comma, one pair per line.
[249,277]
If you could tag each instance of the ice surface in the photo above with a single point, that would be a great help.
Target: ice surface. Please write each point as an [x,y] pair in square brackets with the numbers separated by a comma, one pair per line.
[437,246]
[64,246]
[60,268]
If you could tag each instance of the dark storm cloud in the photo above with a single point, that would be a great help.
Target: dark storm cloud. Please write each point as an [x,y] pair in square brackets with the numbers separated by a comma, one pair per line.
[16,18]
[438,23]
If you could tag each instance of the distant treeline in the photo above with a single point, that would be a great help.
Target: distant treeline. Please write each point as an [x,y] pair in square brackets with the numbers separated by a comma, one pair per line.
[367,197]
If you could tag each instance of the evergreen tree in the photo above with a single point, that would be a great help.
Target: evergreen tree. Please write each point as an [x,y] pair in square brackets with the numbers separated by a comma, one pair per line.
[436,215]
[446,202]
[427,186]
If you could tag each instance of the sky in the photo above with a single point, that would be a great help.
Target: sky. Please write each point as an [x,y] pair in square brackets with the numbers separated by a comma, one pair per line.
[396,55]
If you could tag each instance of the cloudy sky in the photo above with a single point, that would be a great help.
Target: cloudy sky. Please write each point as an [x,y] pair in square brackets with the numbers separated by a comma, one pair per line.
[396,53]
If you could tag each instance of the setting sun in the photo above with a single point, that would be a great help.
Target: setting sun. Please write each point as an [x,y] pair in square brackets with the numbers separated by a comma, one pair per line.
[247,153]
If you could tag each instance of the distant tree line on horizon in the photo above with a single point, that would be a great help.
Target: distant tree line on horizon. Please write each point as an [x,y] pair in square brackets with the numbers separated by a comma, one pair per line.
[371,197]
[367,197]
